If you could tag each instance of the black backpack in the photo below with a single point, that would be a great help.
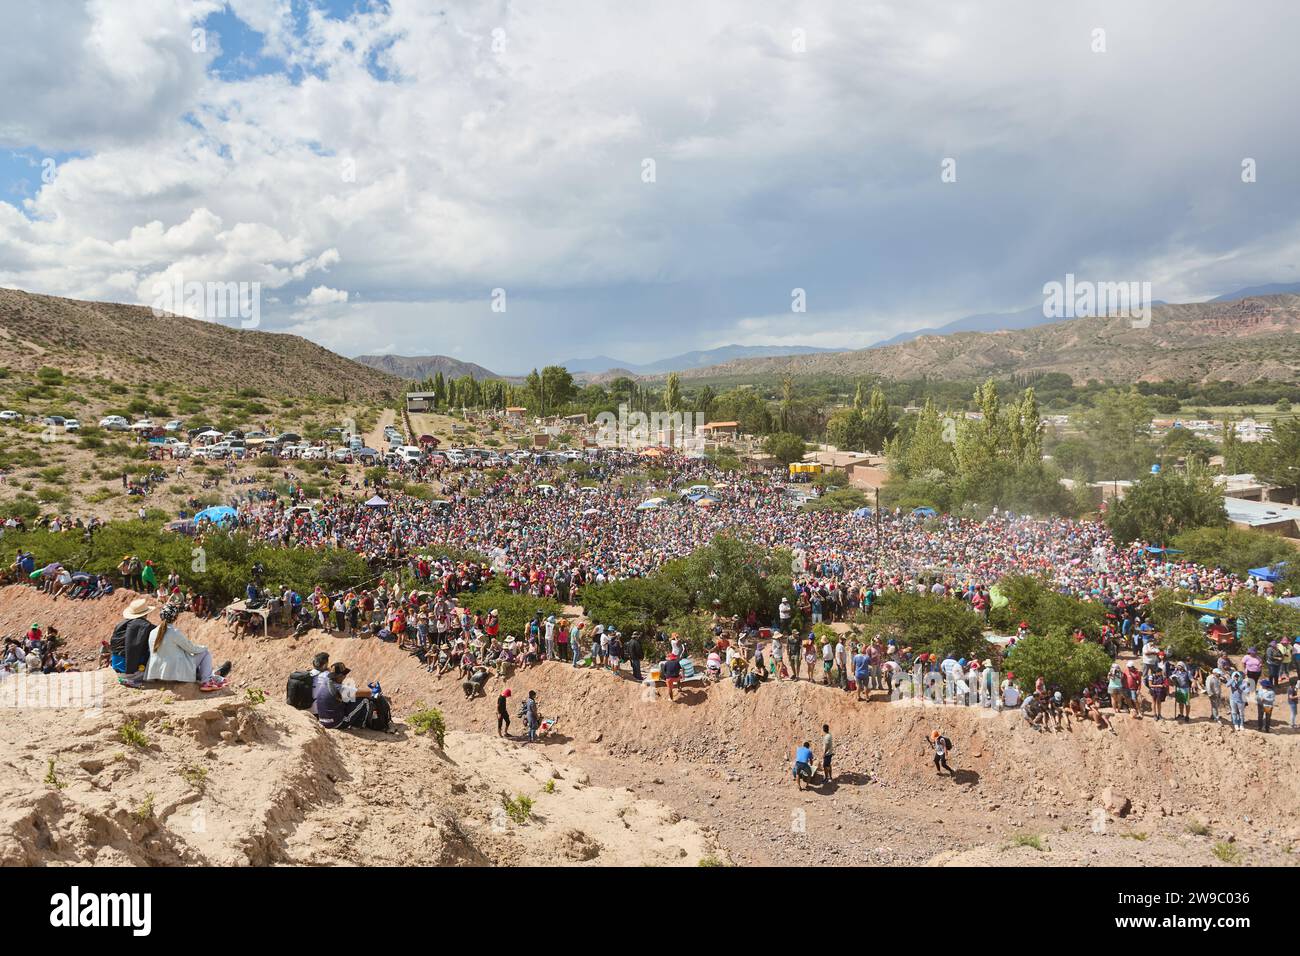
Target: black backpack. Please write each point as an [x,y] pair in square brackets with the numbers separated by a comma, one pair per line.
[298,690]
[381,714]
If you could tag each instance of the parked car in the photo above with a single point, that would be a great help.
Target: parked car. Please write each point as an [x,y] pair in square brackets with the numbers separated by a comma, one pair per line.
[9,415]
[314,453]
[410,454]
[114,423]
[342,455]
[71,425]
[56,420]
[173,426]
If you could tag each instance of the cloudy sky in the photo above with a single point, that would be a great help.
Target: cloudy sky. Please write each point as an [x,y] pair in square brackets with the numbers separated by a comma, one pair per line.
[643,178]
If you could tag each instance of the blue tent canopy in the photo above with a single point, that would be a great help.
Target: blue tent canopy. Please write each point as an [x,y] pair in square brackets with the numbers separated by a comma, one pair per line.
[862,513]
[924,512]
[1154,550]
[217,514]
[1268,574]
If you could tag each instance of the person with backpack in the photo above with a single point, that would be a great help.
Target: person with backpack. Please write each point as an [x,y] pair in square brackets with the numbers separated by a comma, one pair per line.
[129,645]
[942,746]
[339,706]
[300,689]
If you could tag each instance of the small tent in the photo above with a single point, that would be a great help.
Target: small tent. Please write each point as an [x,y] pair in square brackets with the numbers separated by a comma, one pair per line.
[376,502]
[1268,574]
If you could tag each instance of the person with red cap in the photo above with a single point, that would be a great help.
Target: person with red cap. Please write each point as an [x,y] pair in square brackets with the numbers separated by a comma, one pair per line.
[503,713]
[672,672]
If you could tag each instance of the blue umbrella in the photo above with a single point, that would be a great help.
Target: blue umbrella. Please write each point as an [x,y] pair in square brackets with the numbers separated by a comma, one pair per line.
[217,514]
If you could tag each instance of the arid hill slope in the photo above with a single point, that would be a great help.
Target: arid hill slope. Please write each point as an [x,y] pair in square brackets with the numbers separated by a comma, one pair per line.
[128,343]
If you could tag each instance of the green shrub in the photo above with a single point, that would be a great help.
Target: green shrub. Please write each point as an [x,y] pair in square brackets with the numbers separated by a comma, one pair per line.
[930,624]
[1234,549]
[130,733]
[519,809]
[429,720]
[515,610]
[1061,661]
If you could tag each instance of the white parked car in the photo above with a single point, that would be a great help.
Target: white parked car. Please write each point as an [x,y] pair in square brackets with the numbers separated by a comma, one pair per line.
[71,425]
[173,426]
[410,454]
[314,453]
[9,415]
[114,423]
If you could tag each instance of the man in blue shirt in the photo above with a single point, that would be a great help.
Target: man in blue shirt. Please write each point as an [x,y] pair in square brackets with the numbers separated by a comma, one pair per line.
[861,669]
[803,764]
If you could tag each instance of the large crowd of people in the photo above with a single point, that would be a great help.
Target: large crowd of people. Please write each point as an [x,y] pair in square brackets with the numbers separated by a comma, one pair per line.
[553,528]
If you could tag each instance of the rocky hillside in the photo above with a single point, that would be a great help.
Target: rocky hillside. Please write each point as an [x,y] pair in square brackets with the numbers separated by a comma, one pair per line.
[1250,339]
[128,343]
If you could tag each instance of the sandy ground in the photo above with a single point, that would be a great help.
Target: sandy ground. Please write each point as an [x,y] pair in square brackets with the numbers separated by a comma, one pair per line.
[221,780]
[1148,793]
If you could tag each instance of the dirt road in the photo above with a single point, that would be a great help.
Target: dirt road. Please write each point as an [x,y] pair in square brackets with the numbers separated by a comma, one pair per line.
[375,438]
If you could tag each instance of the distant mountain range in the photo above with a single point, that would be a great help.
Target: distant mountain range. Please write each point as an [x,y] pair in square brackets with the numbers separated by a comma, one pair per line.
[687,360]
[418,367]
[1033,316]
[1248,338]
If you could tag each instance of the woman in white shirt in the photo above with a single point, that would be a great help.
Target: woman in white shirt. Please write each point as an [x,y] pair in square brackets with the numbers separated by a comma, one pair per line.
[173,657]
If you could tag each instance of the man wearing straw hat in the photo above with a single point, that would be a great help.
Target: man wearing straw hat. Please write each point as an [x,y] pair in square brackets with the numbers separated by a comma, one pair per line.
[129,645]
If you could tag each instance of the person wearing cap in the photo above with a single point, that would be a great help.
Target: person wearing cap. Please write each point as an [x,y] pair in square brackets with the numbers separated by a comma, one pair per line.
[1273,659]
[672,674]
[1265,697]
[339,706]
[172,657]
[503,713]
[1133,688]
[1010,692]
[1214,691]
[1158,684]
[940,746]
[1181,682]
[1237,691]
